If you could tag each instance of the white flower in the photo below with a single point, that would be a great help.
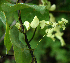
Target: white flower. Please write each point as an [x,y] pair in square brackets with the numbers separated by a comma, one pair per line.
[63,27]
[56,28]
[27,24]
[18,25]
[48,4]
[35,22]
[53,7]
[42,24]
[54,24]
[62,23]
[52,18]
[59,36]
[47,22]
[66,21]
[46,30]
[49,33]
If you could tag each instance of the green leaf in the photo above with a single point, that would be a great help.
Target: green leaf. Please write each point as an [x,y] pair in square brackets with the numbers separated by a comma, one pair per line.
[7,41]
[14,7]
[21,38]
[21,53]
[27,10]
[3,17]
[11,16]
[14,37]
[28,14]
[3,1]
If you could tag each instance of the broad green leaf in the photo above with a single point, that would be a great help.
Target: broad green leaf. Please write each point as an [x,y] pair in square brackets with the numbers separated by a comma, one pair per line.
[21,38]
[29,10]
[11,16]
[7,41]
[37,7]
[14,37]
[28,14]
[3,1]
[3,17]
[21,53]
[14,7]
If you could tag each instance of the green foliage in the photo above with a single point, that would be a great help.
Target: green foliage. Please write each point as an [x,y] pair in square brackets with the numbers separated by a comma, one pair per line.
[3,17]
[20,51]
[14,34]
[31,13]
[28,12]
[3,1]
[7,41]
[19,6]
[12,16]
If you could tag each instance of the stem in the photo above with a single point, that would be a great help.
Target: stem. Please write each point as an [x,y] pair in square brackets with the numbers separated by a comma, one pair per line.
[33,35]
[30,49]
[3,56]
[59,11]
[44,2]
[21,21]
[26,40]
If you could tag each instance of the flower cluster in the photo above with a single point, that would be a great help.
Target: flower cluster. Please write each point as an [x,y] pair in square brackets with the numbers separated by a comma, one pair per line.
[48,5]
[55,27]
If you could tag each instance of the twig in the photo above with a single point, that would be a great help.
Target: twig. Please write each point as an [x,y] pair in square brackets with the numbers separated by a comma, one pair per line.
[5,55]
[26,40]
[59,11]
[21,21]
[33,35]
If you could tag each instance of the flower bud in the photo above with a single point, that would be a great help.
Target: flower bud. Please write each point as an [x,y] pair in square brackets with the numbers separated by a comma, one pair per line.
[42,24]
[53,7]
[35,22]
[27,24]
[65,21]
[18,25]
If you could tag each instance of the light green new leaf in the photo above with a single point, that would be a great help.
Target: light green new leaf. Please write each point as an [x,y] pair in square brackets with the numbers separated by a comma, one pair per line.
[22,55]
[7,41]
[3,17]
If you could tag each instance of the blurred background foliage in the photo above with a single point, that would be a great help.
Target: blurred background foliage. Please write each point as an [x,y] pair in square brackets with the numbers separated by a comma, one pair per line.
[46,51]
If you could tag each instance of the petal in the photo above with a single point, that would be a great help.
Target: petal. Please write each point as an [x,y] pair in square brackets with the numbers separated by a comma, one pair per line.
[35,22]
[53,7]
[17,25]
[27,24]
[42,24]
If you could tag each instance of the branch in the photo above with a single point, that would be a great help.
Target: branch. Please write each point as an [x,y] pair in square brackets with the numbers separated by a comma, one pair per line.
[19,14]
[26,40]
[33,35]
[5,55]
[59,11]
